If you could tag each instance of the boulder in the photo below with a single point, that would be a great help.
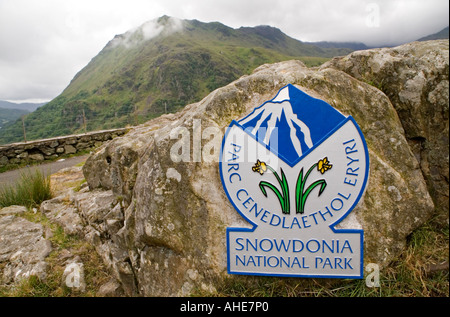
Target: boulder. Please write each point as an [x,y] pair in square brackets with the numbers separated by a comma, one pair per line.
[175,212]
[415,77]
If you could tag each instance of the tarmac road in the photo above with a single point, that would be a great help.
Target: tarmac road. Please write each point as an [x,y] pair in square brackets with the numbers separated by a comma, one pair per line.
[47,168]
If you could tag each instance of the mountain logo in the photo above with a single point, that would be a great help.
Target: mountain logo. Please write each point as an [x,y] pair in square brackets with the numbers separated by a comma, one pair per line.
[294,169]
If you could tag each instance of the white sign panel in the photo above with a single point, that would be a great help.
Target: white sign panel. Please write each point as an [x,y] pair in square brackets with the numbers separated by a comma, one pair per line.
[294,168]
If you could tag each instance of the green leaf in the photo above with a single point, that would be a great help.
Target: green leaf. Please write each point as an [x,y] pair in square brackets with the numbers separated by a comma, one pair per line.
[285,187]
[299,190]
[301,195]
[308,191]
[277,192]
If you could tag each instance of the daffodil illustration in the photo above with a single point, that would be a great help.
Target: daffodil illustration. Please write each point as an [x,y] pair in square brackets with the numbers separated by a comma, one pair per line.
[323,165]
[283,195]
[260,167]
[300,193]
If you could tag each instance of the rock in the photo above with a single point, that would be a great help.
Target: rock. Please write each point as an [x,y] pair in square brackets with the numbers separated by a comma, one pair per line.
[23,155]
[69,149]
[23,249]
[99,216]
[172,237]
[36,157]
[58,211]
[82,145]
[65,179]
[13,210]
[53,144]
[110,289]
[96,216]
[47,150]
[95,206]
[415,77]
[3,160]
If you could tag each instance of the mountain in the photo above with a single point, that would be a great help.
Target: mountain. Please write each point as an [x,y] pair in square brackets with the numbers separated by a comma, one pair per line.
[158,68]
[10,111]
[293,121]
[29,107]
[9,115]
[442,34]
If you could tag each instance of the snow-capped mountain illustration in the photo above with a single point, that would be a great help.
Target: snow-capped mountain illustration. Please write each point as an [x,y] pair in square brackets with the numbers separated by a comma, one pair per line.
[289,124]
[274,113]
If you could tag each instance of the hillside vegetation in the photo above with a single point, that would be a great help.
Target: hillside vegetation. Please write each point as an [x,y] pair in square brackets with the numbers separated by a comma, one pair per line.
[8,115]
[159,68]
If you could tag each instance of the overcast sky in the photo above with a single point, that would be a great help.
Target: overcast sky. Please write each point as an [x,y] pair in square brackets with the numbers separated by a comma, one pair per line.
[44,43]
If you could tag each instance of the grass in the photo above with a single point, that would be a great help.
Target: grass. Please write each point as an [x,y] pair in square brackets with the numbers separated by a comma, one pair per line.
[32,188]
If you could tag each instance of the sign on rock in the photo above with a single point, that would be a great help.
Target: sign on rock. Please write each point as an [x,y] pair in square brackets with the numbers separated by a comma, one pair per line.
[294,168]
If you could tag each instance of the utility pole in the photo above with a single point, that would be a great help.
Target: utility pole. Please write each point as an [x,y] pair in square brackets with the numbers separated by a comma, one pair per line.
[84,122]
[23,127]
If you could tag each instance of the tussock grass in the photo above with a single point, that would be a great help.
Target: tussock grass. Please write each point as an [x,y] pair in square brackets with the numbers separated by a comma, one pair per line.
[30,190]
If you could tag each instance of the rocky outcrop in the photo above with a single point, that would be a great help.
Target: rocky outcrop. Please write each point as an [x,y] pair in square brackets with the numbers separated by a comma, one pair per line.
[23,248]
[415,79]
[156,209]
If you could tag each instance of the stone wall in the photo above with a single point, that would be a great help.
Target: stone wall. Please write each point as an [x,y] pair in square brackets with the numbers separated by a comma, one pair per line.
[49,149]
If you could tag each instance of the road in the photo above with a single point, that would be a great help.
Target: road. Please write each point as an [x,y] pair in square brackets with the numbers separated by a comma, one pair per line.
[47,168]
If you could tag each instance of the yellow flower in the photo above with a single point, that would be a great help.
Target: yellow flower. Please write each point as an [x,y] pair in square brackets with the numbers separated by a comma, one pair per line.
[323,165]
[260,167]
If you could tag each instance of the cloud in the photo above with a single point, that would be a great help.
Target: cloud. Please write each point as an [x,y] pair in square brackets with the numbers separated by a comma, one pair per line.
[44,43]
[147,31]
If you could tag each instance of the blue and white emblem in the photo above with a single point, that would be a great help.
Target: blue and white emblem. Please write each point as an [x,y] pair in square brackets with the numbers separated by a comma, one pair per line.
[294,168]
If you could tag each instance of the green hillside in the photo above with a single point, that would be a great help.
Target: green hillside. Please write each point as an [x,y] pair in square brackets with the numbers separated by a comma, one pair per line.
[159,68]
[8,115]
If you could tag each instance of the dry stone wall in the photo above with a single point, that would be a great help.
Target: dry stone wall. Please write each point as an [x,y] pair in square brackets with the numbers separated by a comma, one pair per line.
[49,149]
